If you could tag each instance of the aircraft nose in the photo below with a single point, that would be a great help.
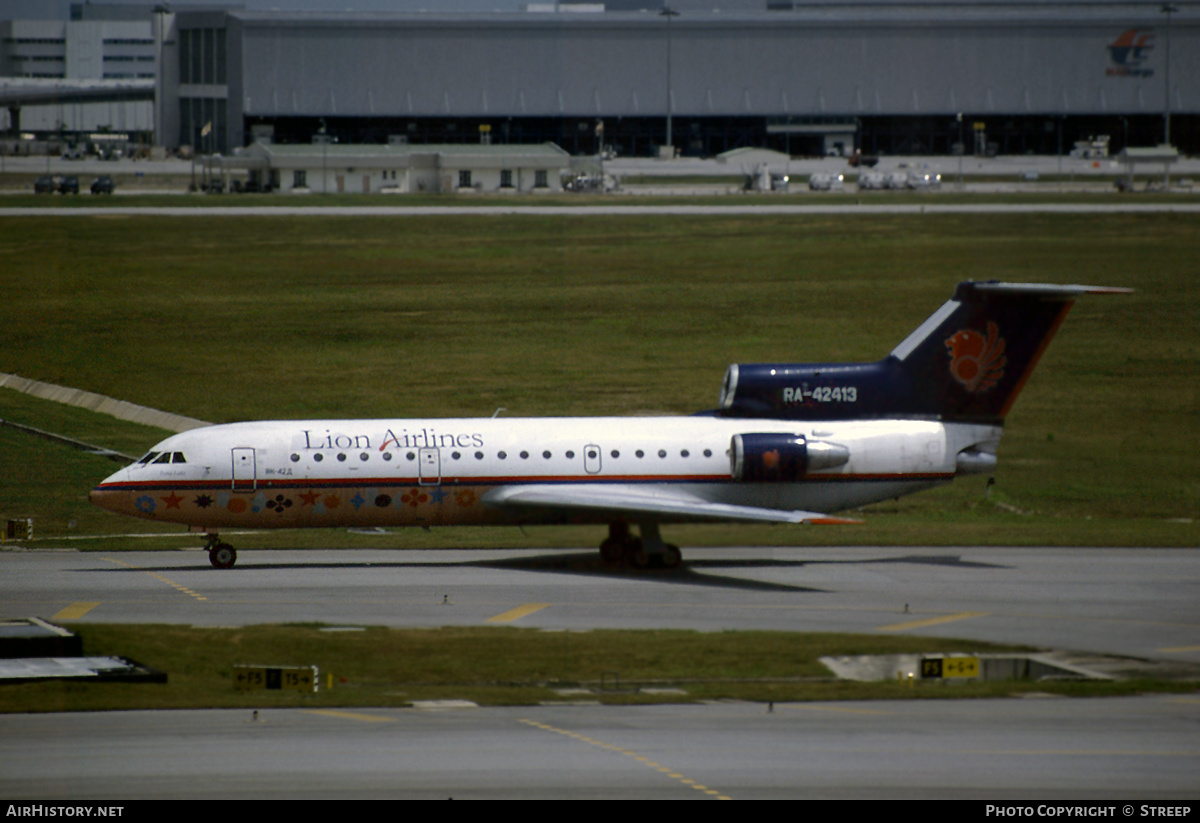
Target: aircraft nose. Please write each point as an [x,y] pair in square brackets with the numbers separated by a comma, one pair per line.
[107,494]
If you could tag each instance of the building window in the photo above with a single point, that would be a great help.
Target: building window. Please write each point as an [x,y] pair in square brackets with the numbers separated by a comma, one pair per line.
[202,56]
[506,179]
[539,179]
[464,179]
[299,179]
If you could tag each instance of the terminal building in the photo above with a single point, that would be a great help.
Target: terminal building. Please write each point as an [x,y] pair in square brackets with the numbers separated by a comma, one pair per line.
[700,76]
[92,73]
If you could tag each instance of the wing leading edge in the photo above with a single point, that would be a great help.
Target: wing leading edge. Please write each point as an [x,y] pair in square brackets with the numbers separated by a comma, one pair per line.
[639,502]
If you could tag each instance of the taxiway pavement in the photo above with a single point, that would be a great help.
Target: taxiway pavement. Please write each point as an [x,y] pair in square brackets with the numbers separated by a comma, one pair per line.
[1136,602]
[1032,751]
[1139,602]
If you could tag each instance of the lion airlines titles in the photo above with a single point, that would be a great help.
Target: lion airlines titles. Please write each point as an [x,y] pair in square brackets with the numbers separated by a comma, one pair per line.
[788,442]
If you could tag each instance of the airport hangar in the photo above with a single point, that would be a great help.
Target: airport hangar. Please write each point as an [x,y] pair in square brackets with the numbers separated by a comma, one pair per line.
[811,78]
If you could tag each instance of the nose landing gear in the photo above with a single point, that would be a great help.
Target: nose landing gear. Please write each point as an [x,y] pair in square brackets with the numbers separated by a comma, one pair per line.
[221,555]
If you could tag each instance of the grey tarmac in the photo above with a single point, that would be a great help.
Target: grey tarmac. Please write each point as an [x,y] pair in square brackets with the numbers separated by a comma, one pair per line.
[1135,602]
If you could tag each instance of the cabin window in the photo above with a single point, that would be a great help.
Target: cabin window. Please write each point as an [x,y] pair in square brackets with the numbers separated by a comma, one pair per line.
[503,455]
[295,458]
[546,454]
[387,456]
[615,454]
[318,457]
[708,452]
[364,457]
[478,455]
[524,455]
[165,457]
[640,453]
[662,452]
[570,455]
[341,458]
[177,457]
[148,458]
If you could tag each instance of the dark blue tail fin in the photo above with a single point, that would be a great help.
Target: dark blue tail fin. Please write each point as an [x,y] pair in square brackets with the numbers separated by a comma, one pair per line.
[966,363]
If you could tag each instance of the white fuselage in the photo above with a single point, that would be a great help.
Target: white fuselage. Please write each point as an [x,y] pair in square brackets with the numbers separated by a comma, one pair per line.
[320,473]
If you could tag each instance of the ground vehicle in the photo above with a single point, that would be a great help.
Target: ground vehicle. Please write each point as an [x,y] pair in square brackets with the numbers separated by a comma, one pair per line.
[69,185]
[924,180]
[826,182]
[872,180]
[103,185]
[44,185]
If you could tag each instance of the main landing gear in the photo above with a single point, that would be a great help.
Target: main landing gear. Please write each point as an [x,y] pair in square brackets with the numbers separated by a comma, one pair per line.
[221,555]
[645,552]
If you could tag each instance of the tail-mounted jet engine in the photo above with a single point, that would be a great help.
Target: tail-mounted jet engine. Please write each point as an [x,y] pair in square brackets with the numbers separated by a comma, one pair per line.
[781,457]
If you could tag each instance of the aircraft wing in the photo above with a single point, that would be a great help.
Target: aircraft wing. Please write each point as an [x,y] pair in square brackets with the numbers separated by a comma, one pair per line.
[636,502]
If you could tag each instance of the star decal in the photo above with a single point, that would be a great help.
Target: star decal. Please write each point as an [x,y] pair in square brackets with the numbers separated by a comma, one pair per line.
[309,498]
[172,500]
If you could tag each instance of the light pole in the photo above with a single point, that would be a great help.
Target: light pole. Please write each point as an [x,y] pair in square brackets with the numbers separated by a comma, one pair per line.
[1167,9]
[324,151]
[668,13]
[962,149]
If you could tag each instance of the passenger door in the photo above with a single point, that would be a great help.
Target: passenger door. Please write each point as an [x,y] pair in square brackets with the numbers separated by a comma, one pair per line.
[429,463]
[245,477]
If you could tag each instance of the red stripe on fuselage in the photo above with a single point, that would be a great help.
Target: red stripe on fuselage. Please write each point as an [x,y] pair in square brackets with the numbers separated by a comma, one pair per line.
[371,482]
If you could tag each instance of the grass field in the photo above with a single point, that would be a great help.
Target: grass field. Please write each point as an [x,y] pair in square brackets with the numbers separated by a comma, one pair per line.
[381,666]
[237,318]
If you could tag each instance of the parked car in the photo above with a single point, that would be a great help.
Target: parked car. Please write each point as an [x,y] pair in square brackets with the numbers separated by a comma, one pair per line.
[69,185]
[44,185]
[103,185]
[872,180]
[826,182]
[924,180]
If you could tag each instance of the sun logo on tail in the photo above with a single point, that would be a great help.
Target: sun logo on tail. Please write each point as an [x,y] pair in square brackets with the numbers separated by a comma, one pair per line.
[977,362]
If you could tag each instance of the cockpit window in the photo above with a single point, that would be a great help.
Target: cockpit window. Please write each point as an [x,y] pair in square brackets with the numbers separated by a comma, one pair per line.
[161,458]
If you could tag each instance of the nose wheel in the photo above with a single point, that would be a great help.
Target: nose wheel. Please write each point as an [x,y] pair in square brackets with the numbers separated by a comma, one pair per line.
[221,555]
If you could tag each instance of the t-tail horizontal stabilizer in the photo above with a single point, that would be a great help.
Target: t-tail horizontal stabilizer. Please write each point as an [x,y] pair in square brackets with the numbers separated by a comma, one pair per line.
[966,363]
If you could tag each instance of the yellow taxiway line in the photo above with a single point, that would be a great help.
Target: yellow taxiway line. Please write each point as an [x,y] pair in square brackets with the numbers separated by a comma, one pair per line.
[517,613]
[932,621]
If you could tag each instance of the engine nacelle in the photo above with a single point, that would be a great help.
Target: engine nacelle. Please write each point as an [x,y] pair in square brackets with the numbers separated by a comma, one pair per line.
[781,457]
[808,391]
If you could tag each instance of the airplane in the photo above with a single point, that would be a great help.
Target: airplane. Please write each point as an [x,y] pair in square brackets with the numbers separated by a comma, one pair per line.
[787,443]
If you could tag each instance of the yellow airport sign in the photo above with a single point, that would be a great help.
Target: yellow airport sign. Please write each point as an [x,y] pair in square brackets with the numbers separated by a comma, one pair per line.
[275,678]
[949,667]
